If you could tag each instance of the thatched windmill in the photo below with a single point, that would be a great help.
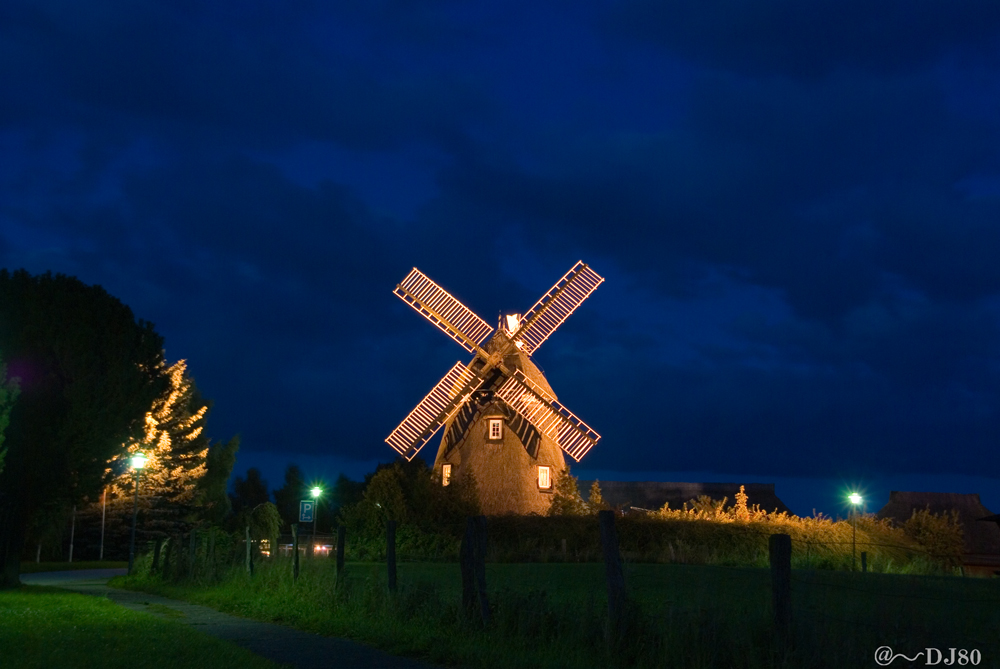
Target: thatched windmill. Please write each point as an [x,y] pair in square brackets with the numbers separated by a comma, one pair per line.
[502,421]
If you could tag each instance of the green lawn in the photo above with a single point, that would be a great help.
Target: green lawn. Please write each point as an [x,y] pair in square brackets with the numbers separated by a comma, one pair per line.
[46,628]
[35,567]
[553,615]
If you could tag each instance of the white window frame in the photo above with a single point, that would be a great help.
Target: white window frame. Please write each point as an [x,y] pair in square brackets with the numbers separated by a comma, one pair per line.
[445,474]
[495,432]
[544,477]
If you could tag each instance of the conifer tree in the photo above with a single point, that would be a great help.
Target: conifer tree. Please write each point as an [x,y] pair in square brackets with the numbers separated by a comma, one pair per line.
[596,500]
[177,449]
[566,500]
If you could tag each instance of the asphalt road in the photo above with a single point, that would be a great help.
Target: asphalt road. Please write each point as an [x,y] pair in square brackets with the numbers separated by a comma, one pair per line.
[286,645]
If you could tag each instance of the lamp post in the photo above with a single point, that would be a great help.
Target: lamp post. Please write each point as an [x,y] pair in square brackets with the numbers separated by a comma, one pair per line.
[854,499]
[138,462]
[315,493]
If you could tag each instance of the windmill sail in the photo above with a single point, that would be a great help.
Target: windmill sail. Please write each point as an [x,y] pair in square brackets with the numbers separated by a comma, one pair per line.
[549,416]
[440,308]
[433,411]
[556,305]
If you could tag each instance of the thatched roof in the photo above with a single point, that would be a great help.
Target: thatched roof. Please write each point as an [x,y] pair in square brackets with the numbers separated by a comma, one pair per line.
[653,494]
[506,472]
[979,537]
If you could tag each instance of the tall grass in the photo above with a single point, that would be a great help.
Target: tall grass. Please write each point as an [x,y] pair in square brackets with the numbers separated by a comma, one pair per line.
[554,615]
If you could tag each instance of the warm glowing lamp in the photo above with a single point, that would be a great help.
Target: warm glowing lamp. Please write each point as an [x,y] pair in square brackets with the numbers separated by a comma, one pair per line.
[138,461]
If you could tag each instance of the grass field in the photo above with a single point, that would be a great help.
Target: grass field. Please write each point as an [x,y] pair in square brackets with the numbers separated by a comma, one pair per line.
[46,628]
[553,615]
[36,567]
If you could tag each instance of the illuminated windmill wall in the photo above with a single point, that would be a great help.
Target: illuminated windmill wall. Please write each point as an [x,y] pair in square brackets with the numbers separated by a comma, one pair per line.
[502,422]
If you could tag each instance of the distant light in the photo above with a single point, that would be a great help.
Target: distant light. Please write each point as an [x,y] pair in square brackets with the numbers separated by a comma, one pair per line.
[139,460]
[316,492]
[855,498]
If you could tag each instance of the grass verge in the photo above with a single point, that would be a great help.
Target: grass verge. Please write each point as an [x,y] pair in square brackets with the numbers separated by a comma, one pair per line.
[44,628]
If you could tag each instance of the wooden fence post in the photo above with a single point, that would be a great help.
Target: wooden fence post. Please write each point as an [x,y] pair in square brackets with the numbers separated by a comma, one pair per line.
[780,547]
[249,558]
[295,551]
[192,550]
[341,536]
[390,553]
[465,560]
[479,555]
[612,571]
[864,561]
[157,547]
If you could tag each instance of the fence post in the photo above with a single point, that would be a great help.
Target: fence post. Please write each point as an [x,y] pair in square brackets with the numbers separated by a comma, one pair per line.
[480,568]
[864,561]
[612,572]
[390,553]
[465,561]
[192,550]
[295,551]
[780,546]
[341,535]
[249,558]
[157,547]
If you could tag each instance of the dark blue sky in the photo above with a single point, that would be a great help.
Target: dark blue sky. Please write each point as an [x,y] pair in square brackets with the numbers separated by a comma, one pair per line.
[795,206]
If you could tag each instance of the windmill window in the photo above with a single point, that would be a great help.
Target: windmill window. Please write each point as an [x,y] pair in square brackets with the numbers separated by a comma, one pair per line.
[445,474]
[496,428]
[544,477]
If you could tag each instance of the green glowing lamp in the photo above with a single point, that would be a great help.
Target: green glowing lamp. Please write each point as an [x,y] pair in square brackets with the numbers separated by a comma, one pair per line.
[854,498]
[316,492]
[139,460]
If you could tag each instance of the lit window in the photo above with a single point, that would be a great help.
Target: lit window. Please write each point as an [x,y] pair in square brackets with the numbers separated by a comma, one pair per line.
[445,474]
[496,428]
[544,478]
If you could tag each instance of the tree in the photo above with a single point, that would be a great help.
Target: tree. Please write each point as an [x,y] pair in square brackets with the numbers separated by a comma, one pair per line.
[566,500]
[288,496]
[88,373]
[214,504]
[250,492]
[174,442]
[596,500]
[8,393]
[177,449]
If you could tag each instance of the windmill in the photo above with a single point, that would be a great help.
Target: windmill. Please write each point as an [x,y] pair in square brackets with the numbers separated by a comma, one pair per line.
[502,422]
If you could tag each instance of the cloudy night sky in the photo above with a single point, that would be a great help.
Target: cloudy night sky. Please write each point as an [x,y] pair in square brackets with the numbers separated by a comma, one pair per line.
[795,205]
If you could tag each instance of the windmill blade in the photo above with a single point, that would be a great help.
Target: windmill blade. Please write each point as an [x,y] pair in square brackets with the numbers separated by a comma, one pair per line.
[555,306]
[549,416]
[440,308]
[434,410]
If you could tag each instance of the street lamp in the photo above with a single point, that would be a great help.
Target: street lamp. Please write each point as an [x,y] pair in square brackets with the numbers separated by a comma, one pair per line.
[138,461]
[315,493]
[855,499]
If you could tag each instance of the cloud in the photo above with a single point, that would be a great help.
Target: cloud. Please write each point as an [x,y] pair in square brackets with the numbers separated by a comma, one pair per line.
[811,40]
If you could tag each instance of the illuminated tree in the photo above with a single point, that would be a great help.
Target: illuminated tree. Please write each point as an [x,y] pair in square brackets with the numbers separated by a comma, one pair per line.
[566,500]
[88,373]
[596,500]
[174,441]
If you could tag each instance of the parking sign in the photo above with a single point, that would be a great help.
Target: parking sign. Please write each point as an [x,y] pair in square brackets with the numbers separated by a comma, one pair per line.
[306,509]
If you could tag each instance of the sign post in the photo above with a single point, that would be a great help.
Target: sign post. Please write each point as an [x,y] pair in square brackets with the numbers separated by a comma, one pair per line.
[307,514]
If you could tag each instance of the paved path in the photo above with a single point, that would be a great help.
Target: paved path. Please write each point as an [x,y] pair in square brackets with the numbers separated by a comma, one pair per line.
[275,642]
